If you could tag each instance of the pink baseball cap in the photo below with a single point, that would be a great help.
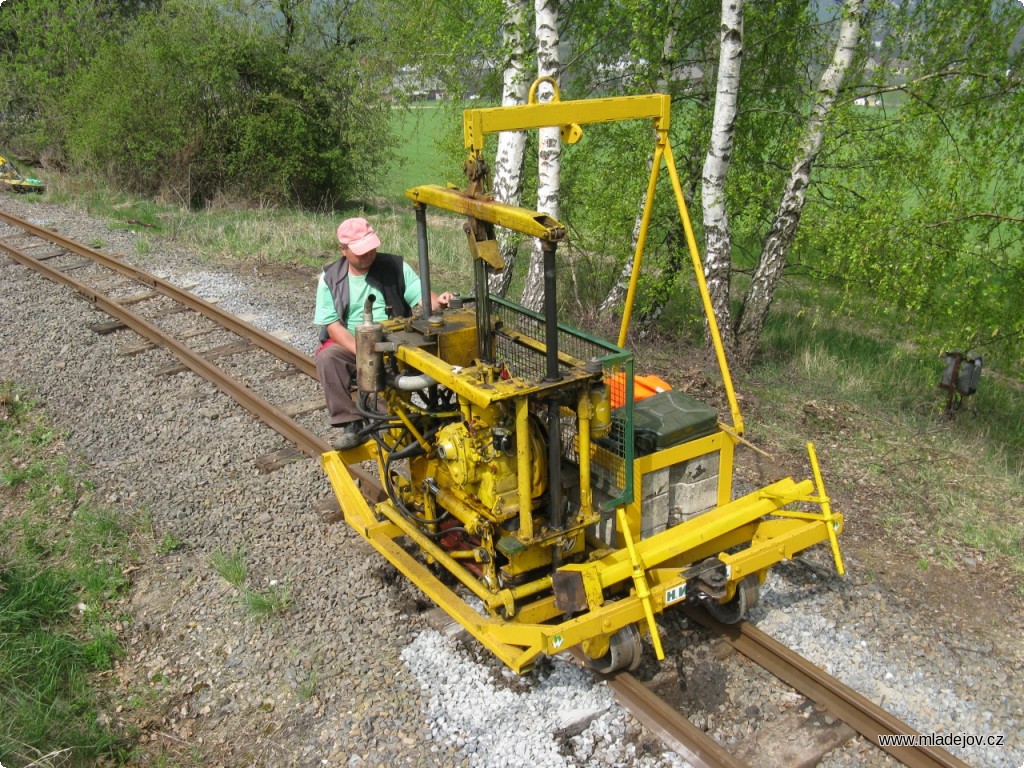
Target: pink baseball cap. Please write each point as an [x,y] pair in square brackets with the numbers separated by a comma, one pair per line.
[358,235]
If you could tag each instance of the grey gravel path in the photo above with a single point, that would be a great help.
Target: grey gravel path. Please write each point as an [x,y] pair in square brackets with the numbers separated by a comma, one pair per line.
[351,673]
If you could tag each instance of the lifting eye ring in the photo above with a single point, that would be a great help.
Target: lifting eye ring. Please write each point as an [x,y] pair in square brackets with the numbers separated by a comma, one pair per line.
[570,133]
[531,98]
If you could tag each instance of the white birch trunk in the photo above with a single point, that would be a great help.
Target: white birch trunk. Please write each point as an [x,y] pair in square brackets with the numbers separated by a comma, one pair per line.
[508,165]
[780,237]
[717,235]
[550,145]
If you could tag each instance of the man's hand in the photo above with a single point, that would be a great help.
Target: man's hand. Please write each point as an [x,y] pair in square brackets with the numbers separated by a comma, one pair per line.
[441,301]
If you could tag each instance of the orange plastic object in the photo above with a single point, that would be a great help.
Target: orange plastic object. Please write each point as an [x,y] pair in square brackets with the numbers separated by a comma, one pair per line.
[643,387]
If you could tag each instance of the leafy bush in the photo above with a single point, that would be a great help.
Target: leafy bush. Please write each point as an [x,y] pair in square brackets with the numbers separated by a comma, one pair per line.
[43,43]
[195,104]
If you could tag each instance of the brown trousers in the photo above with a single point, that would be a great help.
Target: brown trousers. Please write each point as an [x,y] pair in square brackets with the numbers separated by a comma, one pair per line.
[336,369]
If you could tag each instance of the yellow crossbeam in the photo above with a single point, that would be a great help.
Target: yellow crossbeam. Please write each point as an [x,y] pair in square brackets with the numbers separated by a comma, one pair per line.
[533,223]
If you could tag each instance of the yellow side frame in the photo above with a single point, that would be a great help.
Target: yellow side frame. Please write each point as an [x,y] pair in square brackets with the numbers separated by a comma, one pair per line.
[520,639]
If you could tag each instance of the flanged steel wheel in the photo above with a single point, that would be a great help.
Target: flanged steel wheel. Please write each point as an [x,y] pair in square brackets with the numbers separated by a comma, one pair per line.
[732,612]
[624,651]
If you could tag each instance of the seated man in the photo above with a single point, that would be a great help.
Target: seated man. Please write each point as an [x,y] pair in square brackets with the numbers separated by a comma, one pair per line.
[340,296]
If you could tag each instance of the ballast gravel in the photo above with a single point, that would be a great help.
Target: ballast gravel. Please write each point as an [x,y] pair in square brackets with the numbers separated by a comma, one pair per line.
[351,672]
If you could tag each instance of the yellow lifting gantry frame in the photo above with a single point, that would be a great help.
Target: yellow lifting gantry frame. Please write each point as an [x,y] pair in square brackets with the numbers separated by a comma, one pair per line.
[748,535]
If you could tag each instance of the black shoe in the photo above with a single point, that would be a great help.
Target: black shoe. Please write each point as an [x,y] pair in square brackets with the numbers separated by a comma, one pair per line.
[349,437]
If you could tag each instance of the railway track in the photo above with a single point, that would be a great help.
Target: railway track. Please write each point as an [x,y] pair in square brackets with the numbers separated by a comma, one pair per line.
[61,258]
[55,265]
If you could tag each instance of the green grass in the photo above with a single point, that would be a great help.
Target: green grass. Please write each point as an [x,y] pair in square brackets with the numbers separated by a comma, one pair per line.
[232,567]
[432,150]
[271,602]
[169,543]
[874,407]
[62,563]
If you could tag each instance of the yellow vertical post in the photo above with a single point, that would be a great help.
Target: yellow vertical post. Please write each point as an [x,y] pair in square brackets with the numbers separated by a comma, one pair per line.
[641,242]
[586,494]
[709,311]
[643,591]
[826,509]
[523,469]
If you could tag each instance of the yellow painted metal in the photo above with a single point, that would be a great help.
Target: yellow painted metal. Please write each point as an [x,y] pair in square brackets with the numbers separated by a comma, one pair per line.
[404,418]
[775,540]
[641,242]
[528,222]
[702,285]
[521,638]
[627,583]
[458,347]
[721,442]
[523,468]
[826,509]
[519,644]
[643,591]
[487,250]
[556,92]
[470,382]
[477,123]
[583,412]
[657,549]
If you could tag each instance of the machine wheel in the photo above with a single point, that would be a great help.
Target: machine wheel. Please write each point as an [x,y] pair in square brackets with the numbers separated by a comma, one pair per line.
[732,612]
[625,649]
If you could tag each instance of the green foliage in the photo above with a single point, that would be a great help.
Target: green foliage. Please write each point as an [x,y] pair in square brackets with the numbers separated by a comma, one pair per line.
[916,201]
[451,44]
[430,150]
[231,567]
[307,688]
[47,699]
[169,543]
[43,43]
[873,406]
[198,103]
[917,215]
[274,601]
[675,49]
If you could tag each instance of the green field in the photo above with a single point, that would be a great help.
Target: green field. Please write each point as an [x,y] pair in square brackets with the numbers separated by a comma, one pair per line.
[429,138]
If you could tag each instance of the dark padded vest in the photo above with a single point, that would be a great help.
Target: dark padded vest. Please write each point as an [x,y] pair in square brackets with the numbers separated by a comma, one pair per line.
[387,275]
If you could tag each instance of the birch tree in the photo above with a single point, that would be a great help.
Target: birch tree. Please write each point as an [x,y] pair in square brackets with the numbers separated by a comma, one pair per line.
[937,228]
[508,165]
[717,236]
[768,273]
[549,145]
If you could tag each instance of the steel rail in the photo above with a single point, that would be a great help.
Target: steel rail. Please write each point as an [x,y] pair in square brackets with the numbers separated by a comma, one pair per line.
[269,343]
[675,730]
[857,711]
[266,412]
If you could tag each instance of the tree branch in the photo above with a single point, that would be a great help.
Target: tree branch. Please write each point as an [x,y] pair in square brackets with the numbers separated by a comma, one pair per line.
[904,86]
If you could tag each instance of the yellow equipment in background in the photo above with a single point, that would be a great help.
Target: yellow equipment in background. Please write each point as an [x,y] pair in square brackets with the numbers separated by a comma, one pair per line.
[517,498]
[11,178]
